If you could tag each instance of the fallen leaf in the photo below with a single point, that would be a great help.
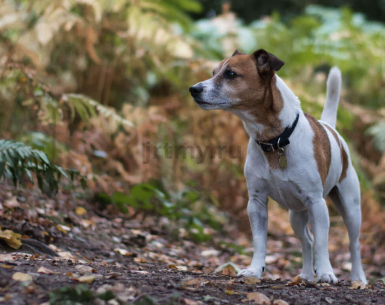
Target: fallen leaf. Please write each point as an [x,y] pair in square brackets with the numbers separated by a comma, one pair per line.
[172,267]
[80,211]
[31,288]
[89,279]
[6,266]
[84,270]
[6,257]
[123,252]
[65,255]
[12,239]
[358,285]
[140,271]
[329,300]
[45,270]
[63,229]
[192,282]
[231,292]
[251,280]
[11,203]
[258,298]
[21,277]
[230,271]
[208,270]
[190,302]
[280,302]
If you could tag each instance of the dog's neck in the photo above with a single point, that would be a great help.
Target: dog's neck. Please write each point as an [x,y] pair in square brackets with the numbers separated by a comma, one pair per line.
[279,120]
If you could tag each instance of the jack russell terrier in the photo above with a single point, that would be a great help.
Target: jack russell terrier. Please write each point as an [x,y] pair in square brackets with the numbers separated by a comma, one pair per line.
[291,157]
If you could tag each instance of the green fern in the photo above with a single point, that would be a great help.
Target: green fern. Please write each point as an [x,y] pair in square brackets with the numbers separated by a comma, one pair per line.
[18,160]
[86,108]
[378,133]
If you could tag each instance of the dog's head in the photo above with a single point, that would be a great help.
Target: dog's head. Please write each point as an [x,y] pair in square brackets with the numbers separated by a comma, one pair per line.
[239,82]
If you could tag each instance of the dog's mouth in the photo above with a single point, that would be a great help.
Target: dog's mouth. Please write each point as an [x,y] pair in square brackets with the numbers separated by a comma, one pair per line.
[201,102]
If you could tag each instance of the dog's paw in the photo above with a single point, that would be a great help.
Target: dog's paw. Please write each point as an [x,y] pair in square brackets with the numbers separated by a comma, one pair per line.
[327,277]
[254,272]
[307,277]
[359,276]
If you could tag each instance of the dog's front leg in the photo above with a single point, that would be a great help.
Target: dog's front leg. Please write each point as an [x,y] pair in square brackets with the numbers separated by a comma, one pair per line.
[257,211]
[319,219]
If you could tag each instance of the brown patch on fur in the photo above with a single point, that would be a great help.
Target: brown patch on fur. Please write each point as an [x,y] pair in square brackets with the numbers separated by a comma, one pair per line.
[260,98]
[344,155]
[257,95]
[321,146]
[345,163]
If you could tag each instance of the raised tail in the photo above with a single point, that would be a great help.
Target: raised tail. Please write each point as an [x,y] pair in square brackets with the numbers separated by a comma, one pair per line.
[329,114]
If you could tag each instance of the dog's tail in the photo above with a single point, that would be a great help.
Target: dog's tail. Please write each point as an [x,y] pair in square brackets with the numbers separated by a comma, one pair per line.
[329,114]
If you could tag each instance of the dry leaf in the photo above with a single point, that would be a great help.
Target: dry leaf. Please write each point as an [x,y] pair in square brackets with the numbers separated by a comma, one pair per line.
[229,271]
[123,252]
[12,239]
[358,285]
[21,277]
[80,211]
[251,280]
[258,298]
[208,270]
[31,288]
[84,270]
[45,270]
[192,282]
[65,255]
[190,302]
[6,257]
[11,203]
[280,302]
[231,292]
[172,267]
[6,266]
[89,279]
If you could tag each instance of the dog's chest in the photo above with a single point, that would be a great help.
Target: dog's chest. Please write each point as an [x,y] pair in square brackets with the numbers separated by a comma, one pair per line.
[292,187]
[286,192]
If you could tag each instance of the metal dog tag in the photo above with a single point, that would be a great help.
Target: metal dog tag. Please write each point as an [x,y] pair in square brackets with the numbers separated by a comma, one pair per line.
[282,161]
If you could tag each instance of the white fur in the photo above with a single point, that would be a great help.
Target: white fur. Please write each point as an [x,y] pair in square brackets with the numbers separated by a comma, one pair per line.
[299,188]
[329,114]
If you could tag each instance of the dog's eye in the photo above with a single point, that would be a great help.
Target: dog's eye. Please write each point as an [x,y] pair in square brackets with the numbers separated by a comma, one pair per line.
[230,74]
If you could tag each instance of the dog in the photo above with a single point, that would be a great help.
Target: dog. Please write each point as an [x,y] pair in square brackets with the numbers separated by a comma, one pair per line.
[291,157]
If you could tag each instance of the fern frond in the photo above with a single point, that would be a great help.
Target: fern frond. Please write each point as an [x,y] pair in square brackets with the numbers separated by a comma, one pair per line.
[18,160]
[87,108]
[378,133]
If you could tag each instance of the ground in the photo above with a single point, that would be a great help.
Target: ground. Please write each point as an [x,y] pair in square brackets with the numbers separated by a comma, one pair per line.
[73,252]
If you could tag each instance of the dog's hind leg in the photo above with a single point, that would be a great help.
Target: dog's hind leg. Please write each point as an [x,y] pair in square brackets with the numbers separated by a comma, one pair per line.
[347,199]
[299,222]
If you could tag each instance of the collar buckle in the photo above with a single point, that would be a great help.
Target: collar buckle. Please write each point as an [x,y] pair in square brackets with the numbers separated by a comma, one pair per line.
[270,147]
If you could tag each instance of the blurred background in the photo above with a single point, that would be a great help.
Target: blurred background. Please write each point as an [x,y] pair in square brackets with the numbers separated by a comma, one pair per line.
[99,86]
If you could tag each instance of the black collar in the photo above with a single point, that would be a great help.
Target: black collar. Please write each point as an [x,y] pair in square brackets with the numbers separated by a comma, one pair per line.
[280,141]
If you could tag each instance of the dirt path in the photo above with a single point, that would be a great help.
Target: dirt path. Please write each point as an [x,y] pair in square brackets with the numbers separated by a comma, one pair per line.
[74,253]
[71,281]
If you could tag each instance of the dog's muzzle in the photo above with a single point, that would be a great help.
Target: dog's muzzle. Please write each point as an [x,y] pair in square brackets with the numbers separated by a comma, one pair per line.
[196,90]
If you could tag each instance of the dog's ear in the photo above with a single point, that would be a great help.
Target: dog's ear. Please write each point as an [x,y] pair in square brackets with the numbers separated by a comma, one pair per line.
[267,63]
[236,52]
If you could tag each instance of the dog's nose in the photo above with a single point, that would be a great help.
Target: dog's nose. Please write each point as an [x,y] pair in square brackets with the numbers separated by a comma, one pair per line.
[195,90]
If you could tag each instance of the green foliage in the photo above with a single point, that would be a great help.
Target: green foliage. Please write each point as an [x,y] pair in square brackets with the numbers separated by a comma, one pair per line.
[41,141]
[191,209]
[310,44]
[378,133]
[71,295]
[18,160]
